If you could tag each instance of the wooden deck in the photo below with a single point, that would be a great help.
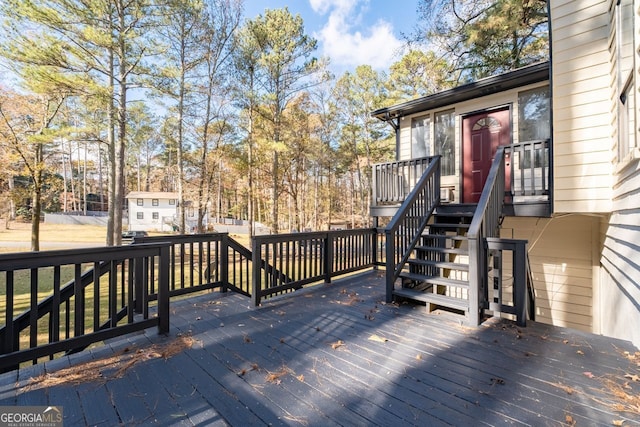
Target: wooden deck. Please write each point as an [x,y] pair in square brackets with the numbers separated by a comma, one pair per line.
[337,355]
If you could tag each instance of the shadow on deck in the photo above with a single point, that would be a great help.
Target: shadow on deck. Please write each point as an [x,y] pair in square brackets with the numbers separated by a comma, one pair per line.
[337,355]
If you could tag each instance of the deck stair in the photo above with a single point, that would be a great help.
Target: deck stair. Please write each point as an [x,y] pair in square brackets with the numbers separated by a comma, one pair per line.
[437,273]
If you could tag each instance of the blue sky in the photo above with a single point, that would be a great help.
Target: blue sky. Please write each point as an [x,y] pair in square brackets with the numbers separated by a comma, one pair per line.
[350,32]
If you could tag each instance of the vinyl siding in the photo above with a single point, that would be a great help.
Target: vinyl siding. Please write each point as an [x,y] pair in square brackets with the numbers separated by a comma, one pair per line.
[561,252]
[582,106]
[620,282]
[619,287]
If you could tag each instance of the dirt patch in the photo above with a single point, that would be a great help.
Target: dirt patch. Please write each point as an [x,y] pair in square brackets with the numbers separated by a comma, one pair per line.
[103,370]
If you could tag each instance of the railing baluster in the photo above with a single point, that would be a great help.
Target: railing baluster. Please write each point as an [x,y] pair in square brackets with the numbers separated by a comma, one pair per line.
[10,337]
[33,320]
[96,296]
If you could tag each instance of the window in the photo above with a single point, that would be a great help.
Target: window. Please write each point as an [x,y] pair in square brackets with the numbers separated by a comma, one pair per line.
[420,136]
[155,215]
[154,202]
[172,201]
[534,124]
[140,202]
[140,215]
[626,95]
[444,141]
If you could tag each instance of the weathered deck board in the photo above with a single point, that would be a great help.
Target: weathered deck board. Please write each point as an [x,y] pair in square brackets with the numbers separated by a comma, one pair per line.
[337,355]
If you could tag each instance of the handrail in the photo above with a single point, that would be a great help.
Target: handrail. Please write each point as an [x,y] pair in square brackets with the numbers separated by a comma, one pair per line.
[485,223]
[406,227]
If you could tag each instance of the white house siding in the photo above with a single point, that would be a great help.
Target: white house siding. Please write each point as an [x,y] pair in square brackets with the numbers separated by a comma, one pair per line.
[563,252]
[620,284]
[582,105]
[166,211]
[620,273]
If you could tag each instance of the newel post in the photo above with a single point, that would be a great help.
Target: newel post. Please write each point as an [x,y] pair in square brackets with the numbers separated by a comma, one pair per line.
[328,257]
[224,262]
[256,267]
[390,263]
[163,290]
[520,282]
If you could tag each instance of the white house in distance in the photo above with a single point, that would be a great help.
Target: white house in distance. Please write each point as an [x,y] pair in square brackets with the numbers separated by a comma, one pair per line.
[152,210]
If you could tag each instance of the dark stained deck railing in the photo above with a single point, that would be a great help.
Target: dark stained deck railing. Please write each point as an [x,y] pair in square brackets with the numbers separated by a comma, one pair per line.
[529,168]
[515,283]
[200,262]
[81,296]
[405,229]
[92,306]
[485,224]
[393,181]
[291,261]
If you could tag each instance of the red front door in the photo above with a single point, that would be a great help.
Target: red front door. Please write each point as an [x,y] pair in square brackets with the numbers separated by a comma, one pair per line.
[482,134]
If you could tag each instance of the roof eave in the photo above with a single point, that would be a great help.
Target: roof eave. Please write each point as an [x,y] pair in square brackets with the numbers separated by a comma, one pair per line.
[517,78]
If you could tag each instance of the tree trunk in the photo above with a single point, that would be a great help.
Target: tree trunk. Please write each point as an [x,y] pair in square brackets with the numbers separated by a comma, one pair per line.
[122,134]
[111,154]
[36,207]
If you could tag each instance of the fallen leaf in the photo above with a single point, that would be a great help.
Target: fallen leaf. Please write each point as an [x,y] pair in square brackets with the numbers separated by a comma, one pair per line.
[300,378]
[497,381]
[418,357]
[377,338]
[588,374]
[337,344]
[633,377]
[580,352]
[569,420]
[618,422]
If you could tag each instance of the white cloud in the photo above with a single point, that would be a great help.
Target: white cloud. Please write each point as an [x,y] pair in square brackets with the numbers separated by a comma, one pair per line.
[348,42]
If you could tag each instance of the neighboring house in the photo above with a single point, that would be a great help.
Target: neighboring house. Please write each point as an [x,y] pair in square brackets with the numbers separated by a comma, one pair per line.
[572,162]
[152,210]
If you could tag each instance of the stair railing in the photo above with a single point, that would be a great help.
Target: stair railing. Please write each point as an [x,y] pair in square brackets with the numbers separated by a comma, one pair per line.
[485,223]
[521,303]
[406,227]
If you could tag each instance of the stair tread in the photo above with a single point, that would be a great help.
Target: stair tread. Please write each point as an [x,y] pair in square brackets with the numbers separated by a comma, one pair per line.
[444,236]
[448,225]
[441,264]
[435,280]
[461,214]
[457,251]
[430,297]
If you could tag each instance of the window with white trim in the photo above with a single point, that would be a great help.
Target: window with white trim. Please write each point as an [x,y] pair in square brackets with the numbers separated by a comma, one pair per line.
[420,136]
[444,141]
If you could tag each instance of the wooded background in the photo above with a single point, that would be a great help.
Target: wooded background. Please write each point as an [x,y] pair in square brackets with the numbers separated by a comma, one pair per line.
[238,116]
